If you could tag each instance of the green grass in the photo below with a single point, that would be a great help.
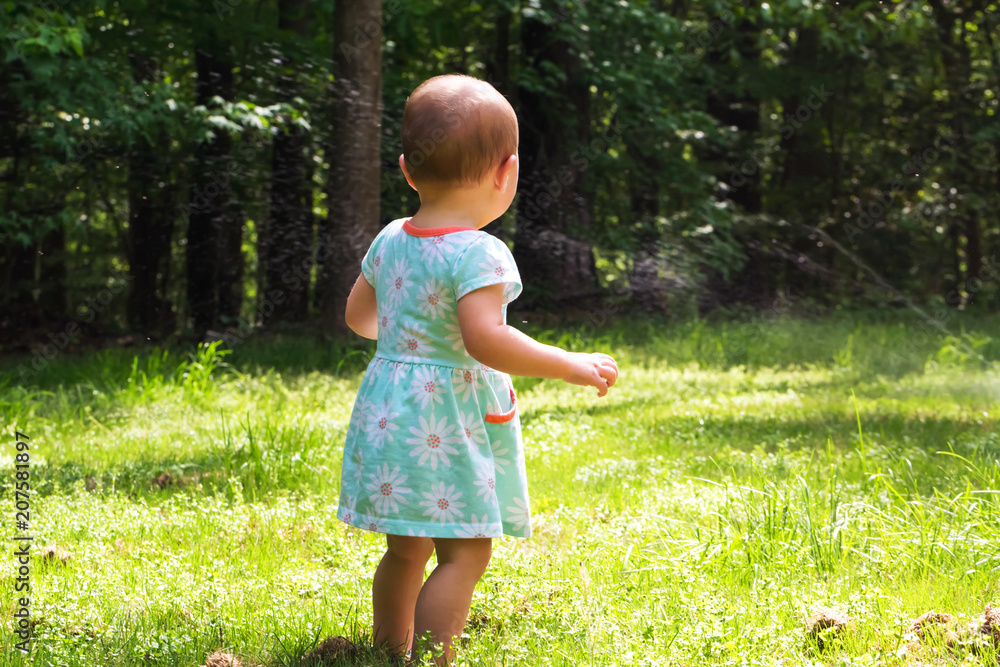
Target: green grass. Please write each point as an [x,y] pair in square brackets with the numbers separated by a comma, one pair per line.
[740,475]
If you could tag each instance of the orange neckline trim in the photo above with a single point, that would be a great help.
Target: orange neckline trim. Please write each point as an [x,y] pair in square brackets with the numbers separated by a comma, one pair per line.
[435,231]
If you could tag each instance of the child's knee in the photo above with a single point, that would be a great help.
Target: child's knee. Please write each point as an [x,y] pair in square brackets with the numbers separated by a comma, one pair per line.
[473,555]
[409,548]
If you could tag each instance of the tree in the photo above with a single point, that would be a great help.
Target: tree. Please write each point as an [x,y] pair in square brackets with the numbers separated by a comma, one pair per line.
[554,112]
[353,187]
[287,250]
[151,220]
[213,257]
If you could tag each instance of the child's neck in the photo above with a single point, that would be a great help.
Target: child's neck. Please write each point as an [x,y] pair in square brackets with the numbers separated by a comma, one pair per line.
[453,207]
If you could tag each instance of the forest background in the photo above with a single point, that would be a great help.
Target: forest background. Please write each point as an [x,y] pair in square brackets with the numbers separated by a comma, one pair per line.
[213,169]
[193,167]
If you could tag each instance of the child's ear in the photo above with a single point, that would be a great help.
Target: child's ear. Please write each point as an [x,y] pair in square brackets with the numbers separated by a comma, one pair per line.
[402,165]
[506,171]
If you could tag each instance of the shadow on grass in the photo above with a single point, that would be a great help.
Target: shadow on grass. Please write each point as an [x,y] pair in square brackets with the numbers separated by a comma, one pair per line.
[868,342]
[251,460]
[274,460]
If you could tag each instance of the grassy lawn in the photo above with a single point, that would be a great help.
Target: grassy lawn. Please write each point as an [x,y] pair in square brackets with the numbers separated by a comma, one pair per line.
[740,476]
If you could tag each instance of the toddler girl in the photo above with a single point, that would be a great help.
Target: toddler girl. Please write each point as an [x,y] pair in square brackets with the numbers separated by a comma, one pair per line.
[433,456]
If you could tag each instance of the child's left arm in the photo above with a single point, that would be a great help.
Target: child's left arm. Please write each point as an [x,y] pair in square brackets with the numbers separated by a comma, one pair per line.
[362,313]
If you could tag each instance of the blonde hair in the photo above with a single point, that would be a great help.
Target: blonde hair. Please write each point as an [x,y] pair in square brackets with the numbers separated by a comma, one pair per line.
[456,129]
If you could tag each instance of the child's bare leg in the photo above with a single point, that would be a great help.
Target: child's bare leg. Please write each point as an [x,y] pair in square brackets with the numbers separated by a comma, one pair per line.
[444,601]
[395,589]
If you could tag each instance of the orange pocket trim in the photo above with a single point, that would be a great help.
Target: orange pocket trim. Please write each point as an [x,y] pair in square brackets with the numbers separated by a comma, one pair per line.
[506,416]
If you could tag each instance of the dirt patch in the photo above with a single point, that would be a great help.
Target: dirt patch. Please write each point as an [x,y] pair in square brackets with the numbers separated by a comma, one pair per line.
[990,625]
[222,659]
[972,637]
[982,634]
[826,626]
[932,625]
[330,650]
[480,622]
[52,553]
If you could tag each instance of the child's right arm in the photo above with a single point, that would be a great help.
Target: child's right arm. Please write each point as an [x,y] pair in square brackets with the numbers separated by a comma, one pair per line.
[500,346]
[361,313]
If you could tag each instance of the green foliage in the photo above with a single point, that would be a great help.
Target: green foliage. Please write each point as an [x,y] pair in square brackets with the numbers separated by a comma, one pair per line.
[696,515]
[896,151]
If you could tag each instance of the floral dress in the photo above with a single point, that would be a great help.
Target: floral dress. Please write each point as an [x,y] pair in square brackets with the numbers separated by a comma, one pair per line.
[434,443]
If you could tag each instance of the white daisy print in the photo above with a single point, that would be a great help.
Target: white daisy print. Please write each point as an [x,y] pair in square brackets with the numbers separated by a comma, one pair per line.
[456,337]
[369,522]
[435,248]
[487,483]
[413,343]
[493,266]
[388,489]
[357,422]
[376,368]
[427,388]
[433,441]
[519,514]
[358,461]
[399,283]
[422,533]
[397,371]
[386,321]
[380,424]
[465,385]
[499,456]
[434,299]
[475,529]
[442,504]
[349,505]
[472,425]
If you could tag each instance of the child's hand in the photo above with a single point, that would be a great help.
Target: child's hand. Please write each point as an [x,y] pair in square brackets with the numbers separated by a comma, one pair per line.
[592,370]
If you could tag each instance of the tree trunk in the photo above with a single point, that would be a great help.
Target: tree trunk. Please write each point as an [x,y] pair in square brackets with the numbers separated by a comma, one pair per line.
[150,226]
[213,254]
[17,261]
[551,211]
[354,187]
[498,68]
[740,110]
[32,271]
[739,170]
[957,61]
[288,247]
[52,271]
[805,167]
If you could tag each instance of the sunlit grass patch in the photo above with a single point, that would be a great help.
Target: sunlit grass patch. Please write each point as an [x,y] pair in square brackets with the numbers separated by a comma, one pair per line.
[699,514]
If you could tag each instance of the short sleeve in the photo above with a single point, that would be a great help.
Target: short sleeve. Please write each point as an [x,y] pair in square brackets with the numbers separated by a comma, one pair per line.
[487,261]
[373,258]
